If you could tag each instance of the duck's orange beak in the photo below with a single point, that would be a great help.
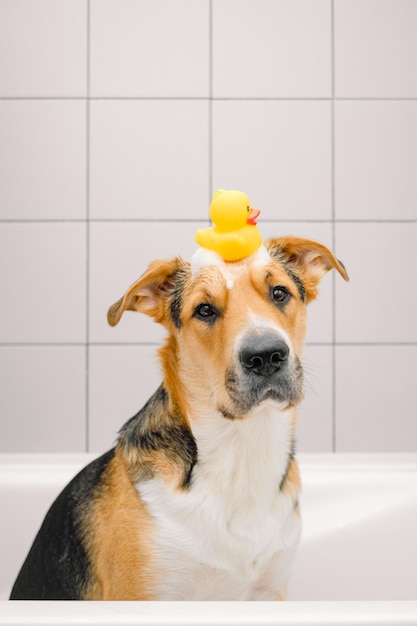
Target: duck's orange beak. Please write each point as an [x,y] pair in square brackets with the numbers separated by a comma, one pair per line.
[253,216]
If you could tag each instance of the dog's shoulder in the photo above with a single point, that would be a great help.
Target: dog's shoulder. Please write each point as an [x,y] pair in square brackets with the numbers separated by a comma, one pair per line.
[159,441]
[100,511]
[57,564]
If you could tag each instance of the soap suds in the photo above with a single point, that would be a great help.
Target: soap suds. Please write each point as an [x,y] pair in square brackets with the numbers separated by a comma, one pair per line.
[208,258]
[205,258]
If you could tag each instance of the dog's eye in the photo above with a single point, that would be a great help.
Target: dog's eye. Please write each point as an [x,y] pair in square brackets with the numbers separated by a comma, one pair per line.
[280,295]
[205,312]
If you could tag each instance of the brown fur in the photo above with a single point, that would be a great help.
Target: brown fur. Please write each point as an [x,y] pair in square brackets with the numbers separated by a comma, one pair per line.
[102,527]
[118,535]
[122,562]
[310,259]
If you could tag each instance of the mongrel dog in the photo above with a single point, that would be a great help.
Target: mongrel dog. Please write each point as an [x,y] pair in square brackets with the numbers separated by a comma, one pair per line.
[199,498]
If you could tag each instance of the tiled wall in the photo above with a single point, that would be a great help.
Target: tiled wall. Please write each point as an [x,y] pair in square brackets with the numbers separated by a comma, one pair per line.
[118,118]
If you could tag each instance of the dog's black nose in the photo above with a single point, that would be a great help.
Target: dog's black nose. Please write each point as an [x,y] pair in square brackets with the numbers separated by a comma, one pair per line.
[264,355]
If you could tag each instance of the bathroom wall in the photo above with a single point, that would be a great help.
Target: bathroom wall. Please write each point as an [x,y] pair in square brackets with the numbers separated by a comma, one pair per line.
[119,118]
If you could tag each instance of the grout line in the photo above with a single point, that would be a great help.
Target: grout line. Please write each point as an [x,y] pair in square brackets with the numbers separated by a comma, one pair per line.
[333,49]
[42,344]
[103,220]
[210,158]
[129,220]
[333,205]
[210,105]
[75,344]
[41,98]
[220,98]
[375,99]
[82,344]
[315,99]
[376,344]
[87,207]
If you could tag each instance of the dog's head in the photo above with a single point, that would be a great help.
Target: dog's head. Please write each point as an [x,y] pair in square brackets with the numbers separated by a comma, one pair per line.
[236,330]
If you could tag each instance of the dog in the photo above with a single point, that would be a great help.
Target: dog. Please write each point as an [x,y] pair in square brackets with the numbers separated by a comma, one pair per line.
[199,498]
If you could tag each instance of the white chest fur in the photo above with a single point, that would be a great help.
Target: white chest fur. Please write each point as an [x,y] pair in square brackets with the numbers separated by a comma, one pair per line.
[233,534]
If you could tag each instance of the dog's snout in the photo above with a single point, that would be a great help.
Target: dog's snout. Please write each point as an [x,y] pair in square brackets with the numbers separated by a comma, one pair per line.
[264,355]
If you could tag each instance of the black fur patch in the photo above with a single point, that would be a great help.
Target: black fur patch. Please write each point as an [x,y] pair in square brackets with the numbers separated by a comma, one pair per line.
[291,457]
[57,565]
[298,282]
[153,428]
[226,414]
[180,279]
[280,254]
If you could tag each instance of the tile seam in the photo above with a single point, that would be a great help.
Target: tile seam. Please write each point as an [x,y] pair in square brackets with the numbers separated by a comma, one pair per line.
[333,226]
[87,202]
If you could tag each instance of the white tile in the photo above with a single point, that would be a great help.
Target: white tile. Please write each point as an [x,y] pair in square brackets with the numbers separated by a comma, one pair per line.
[376,48]
[279,152]
[379,303]
[149,48]
[42,402]
[43,282]
[43,159]
[315,426]
[320,311]
[149,159]
[119,254]
[271,48]
[376,407]
[376,160]
[122,379]
[43,48]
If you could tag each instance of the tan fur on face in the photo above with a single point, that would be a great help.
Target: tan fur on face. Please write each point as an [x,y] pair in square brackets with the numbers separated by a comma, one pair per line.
[213,444]
[212,348]
[197,355]
[150,293]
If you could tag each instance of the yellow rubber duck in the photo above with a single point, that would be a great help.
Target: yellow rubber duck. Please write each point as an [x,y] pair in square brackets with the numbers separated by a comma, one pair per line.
[235,234]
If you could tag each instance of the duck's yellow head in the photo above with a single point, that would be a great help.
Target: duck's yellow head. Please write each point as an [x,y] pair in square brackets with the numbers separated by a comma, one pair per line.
[231,210]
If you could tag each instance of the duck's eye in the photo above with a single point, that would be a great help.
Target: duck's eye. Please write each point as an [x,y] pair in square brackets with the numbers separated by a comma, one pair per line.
[205,312]
[280,295]
[248,208]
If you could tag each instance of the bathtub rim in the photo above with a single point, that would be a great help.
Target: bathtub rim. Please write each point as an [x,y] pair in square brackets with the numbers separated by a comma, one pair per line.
[317,460]
[74,613]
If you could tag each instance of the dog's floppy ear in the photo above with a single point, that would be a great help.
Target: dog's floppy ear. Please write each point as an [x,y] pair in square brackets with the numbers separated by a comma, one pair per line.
[310,259]
[150,293]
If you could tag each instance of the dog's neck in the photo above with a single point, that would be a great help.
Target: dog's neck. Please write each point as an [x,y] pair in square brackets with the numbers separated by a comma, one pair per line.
[236,456]
[237,511]
[244,456]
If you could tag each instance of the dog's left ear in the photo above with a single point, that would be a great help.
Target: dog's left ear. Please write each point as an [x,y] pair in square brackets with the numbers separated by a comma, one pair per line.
[309,259]
[151,292]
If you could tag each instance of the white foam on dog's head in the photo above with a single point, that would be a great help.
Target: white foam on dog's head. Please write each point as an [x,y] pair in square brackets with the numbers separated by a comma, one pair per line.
[208,258]
[261,256]
[205,258]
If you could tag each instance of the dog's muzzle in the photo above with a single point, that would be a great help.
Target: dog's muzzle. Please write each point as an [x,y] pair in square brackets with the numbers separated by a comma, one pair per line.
[266,369]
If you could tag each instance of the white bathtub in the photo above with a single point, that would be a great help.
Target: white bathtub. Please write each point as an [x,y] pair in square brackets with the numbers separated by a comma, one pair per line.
[357,563]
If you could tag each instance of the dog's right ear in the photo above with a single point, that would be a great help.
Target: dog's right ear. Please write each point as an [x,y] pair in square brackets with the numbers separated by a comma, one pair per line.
[151,292]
